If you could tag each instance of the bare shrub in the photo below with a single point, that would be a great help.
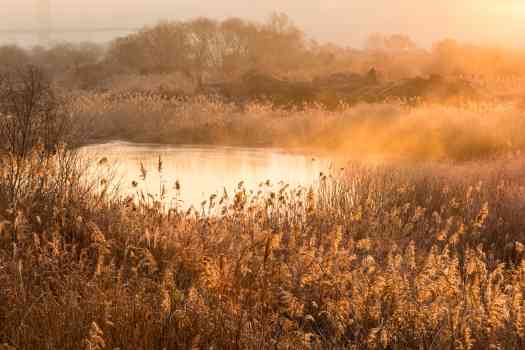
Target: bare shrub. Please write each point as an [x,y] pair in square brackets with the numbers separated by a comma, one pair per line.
[31,113]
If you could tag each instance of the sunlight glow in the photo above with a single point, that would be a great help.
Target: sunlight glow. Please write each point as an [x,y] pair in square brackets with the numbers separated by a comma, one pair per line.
[513,8]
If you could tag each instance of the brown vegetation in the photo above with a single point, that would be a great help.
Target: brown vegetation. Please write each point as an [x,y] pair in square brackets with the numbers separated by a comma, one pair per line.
[206,51]
[31,113]
[426,256]
[401,255]
[398,129]
[336,89]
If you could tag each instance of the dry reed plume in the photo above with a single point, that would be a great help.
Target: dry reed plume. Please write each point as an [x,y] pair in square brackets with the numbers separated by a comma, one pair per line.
[402,255]
[395,256]
[408,129]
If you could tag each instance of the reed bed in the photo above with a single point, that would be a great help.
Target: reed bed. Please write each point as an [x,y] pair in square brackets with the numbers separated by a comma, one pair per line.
[392,256]
[412,129]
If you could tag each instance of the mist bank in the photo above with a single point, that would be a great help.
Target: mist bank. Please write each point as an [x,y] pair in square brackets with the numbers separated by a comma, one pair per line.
[204,50]
[34,111]
[393,130]
[239,82]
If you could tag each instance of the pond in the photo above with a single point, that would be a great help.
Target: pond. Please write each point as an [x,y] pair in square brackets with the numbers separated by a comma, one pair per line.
[203,170]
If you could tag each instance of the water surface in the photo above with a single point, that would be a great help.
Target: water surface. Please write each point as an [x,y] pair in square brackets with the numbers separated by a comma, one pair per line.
[204,170]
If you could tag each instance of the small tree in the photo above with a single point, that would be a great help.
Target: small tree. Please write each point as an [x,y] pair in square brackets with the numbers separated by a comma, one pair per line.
[36,167]
[31,113]
[38,173]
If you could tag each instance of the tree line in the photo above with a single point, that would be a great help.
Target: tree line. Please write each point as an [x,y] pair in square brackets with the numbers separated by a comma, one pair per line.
[205,49]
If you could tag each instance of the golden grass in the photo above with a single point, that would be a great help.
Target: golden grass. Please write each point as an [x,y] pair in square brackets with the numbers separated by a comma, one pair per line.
[395,129]
[426,256]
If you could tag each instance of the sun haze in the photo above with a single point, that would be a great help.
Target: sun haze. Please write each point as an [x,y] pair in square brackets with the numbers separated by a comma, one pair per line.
[349,22]
[262,174]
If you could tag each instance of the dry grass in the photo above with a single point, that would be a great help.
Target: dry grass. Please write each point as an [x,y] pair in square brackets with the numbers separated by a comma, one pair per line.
[401,255]
[426,256]
[394,129]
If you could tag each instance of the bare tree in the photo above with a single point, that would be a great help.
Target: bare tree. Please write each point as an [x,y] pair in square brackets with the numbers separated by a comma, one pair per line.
[31,113]
[35,129]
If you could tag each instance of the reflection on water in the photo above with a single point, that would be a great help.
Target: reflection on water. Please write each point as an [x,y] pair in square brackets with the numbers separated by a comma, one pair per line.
[203,171]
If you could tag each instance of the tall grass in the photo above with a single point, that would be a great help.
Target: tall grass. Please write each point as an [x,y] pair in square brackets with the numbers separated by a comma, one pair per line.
[396,255]
[394,129]
[426,255]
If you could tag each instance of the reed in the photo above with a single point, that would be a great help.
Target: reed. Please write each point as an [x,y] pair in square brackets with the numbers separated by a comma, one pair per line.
[415,130]
[400,255]
[417,243]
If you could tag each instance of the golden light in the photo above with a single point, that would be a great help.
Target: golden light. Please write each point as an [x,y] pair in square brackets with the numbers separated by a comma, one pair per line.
[508,8]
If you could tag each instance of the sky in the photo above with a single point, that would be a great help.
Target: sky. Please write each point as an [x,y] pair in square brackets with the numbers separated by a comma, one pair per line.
[346,22]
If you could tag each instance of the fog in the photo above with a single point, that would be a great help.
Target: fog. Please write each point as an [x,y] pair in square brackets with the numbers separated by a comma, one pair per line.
[345,22]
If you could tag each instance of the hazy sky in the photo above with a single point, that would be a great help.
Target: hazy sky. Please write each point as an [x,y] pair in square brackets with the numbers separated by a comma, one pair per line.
[344,21]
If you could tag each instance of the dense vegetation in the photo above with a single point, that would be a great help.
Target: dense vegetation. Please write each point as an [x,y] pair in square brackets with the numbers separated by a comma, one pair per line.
[418,243]
[394,256]
[395,129]
[204,81]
